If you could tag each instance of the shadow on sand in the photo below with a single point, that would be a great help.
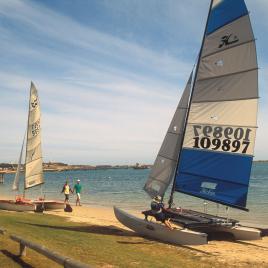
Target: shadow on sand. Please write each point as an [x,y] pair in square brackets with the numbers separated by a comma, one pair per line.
[16,259]
[249,244]
[149,241]
[111,230]
[96,229]
[220,236]
[145,242]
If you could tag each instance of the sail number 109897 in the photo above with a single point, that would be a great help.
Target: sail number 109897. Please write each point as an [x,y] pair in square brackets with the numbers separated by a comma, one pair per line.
[227,139]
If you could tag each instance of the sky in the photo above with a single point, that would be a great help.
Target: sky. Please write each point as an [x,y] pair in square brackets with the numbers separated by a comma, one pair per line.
[109,73]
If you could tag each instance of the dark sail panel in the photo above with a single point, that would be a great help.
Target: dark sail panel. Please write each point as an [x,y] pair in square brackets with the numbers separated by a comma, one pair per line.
[163,170]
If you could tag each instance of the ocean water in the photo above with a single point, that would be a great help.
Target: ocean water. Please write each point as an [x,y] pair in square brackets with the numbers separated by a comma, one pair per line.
[123,188]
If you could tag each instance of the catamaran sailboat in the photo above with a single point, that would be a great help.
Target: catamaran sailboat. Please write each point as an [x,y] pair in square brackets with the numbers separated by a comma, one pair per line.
[33,162]
[208,149]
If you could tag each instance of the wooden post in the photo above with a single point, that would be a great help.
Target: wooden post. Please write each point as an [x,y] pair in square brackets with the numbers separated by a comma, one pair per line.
[60,259]
[22,250]
[2,179]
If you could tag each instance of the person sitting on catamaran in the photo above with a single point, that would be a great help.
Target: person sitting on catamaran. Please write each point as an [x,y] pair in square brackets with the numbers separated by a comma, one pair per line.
[158,211]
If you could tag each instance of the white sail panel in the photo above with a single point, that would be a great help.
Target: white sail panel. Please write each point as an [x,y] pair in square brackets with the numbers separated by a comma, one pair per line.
[234,60]
[233,113]
[34,180]
[32,144]
[166,161]
[34,153]
[219,138]
[34,168]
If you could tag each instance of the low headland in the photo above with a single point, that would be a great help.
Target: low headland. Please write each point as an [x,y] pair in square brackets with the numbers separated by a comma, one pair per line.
[58,166]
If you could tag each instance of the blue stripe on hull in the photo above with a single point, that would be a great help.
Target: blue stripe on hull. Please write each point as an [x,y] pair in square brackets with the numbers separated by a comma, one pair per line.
[224,13]
[220,177]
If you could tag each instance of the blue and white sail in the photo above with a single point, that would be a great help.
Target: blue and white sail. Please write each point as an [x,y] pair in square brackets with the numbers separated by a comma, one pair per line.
[217,152]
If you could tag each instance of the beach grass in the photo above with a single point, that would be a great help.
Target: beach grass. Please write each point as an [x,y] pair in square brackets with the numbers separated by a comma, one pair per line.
[99,246]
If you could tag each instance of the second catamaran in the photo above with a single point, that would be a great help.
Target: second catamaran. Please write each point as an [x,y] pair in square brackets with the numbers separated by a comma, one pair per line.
[33,162]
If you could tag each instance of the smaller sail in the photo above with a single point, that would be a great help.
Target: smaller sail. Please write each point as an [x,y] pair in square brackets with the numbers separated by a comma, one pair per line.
[33,162]
[165,164]
[15,186]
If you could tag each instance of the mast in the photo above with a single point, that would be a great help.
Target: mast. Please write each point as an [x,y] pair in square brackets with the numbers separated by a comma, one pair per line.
[27,135]
[170,202]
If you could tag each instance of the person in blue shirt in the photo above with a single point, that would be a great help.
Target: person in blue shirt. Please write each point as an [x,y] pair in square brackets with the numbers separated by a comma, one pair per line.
[77,189]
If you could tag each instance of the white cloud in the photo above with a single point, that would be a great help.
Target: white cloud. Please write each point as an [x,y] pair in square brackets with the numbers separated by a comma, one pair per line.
[103,99]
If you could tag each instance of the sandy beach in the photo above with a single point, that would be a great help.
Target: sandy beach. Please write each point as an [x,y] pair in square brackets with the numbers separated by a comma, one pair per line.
[240,253]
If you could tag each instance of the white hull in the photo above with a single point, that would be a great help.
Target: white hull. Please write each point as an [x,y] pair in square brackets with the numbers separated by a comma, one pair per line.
[239,232]
[159,231]
[51,204]
[12,206]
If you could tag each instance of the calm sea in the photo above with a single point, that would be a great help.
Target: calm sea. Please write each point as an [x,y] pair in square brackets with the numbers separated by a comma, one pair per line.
[123,187]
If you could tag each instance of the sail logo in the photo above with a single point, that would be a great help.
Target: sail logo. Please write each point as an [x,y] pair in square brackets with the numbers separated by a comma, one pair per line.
[208,188]
[227,40]
[219,63]
[34,103]
[36,128]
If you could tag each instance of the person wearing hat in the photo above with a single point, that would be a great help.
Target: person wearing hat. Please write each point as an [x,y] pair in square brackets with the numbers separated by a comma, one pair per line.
[157,211]
[77,189]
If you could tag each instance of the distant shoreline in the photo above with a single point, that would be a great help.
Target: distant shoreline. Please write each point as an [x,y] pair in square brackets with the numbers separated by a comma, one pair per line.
[59,167]
[6,168]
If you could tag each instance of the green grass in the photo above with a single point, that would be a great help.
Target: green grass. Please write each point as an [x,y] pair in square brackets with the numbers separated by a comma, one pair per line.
[95,245]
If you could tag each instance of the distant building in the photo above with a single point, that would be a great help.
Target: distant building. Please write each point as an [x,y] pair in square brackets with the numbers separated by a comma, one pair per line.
[103,166]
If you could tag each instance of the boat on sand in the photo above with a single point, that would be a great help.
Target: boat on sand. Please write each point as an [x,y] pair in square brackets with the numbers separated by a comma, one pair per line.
[208,149]
[33,176]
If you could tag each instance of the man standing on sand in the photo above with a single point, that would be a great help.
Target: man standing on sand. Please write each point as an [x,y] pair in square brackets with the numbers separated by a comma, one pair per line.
[77,189]
[66,190]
